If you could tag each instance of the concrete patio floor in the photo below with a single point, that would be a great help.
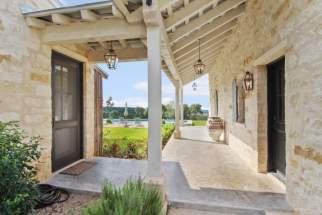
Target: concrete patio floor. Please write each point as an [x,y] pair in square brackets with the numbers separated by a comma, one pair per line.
[199,175]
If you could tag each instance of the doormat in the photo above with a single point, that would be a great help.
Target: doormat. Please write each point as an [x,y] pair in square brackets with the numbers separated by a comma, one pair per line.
[78,168]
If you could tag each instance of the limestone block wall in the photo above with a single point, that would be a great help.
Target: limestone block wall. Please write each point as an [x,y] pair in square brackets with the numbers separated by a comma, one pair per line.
[264,25]
[25,80]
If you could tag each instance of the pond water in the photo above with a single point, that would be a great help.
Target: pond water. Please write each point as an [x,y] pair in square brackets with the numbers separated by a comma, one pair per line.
[136,122]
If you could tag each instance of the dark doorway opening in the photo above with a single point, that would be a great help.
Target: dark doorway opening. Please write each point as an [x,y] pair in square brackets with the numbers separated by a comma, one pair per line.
[276,116]
[67,94]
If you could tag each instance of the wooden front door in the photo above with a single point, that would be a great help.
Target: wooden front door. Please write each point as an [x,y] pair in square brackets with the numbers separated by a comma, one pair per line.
[98,77]
[276,116]
[67,111]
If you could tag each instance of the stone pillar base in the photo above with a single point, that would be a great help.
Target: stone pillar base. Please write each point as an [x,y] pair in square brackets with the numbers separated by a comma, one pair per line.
[177,134]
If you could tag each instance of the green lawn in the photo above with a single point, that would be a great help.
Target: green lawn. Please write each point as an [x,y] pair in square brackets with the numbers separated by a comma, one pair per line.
[130,142]
[134,133]
[199,122]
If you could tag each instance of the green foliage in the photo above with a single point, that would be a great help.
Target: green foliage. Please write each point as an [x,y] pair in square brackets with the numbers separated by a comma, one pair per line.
[167,131]
[125,147]
[17,174]
[134,198]
[108,121]
[199,123]
[168,111]
[118,112]
[130,142]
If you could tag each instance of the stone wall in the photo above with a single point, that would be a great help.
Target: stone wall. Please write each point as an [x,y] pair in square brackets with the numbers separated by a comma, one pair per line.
[25,80]
[264,25]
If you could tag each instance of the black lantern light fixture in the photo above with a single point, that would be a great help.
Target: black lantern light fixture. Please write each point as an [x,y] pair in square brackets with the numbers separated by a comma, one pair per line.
[249,81]
[194,86]
[111,58]
[199,66]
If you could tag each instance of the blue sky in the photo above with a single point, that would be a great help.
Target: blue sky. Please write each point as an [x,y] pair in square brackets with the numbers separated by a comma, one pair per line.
[129,82]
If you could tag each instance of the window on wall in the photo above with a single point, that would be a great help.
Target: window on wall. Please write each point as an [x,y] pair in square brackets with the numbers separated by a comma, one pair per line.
[217,103]
[238,102]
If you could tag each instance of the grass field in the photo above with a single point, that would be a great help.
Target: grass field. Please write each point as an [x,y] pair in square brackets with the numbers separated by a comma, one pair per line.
[134,133]
[199,123]
[130,142]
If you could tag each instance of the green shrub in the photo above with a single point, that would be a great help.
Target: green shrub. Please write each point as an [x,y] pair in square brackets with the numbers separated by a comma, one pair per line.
[125,147]
[108,121]
[167,131]
[17,174]
[134,198]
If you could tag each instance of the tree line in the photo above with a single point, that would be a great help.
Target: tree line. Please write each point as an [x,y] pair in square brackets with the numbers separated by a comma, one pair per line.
[190,112]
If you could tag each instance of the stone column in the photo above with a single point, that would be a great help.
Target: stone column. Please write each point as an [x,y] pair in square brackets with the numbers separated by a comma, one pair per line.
[181,106]
[212,102]
[154,100]
[177,133]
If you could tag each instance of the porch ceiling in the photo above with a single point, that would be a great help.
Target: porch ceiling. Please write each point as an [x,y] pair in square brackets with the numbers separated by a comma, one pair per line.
[96,25]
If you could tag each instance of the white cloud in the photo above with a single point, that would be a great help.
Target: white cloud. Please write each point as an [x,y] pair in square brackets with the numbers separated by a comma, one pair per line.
[142,86]
[167,100]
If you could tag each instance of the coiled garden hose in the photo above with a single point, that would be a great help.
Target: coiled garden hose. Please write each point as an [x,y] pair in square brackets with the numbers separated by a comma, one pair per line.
[50,194]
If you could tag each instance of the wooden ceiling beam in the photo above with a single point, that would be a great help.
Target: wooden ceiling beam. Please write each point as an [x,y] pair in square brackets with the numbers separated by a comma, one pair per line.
[204,19]
[124,55]
[88,15]
[204,53]
[186,12]
[218,26]
[60,19]
[86,32]
[204,43]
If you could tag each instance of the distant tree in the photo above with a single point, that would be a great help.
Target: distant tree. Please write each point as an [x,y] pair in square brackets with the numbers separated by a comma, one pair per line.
[114,114]
[186,111]
[195,109]
[139,112]
[146,113]
[169,111]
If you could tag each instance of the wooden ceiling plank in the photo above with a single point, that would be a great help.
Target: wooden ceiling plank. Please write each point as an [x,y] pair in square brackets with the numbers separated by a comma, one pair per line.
[204,19]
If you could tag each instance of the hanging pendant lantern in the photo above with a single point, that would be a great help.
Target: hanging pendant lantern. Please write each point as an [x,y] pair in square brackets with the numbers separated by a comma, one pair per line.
[199,66]
[111,58]
[194,86]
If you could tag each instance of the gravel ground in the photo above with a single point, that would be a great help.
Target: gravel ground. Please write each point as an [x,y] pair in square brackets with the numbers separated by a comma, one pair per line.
[72,206]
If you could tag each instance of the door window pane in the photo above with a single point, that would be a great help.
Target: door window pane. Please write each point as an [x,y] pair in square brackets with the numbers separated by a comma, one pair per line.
[58,87]
[69,94]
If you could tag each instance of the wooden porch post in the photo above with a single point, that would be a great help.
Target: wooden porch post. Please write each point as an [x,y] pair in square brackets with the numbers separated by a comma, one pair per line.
[154,100]
[177,133]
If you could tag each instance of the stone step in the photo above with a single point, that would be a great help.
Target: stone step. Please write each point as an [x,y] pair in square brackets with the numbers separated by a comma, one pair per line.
[220,209]
[281,213]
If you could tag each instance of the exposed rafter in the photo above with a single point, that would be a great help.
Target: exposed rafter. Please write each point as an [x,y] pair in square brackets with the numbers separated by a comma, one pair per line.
[204,54]
[205,42]
[60,19]
[134,17]
[88,15]
[206,60]
[204,19]
[123,43]
[127,54]
[216,26]
[186,12]
[85,32]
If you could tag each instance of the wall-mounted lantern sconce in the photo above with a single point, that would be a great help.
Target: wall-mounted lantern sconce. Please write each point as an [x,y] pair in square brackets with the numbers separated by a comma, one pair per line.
[148,2]
[249,81]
